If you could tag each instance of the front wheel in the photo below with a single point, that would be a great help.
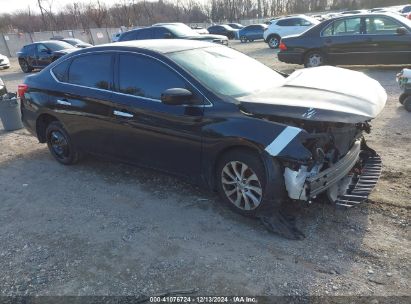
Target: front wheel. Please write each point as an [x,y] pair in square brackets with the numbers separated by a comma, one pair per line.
[242,183]
[407,103]
[403,96]
[243,39]
[314,59]
[60,144]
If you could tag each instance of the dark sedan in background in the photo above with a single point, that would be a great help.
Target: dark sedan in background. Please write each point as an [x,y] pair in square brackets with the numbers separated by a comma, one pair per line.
[223,29]
[356,39]
[38,55]
[74,42]
[170,31]
[252,32]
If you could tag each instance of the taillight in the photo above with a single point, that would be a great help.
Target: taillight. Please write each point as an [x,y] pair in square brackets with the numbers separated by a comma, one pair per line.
[21,89]
[282,46]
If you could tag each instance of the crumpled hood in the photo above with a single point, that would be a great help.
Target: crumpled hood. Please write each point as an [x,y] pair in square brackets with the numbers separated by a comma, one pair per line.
[320,94]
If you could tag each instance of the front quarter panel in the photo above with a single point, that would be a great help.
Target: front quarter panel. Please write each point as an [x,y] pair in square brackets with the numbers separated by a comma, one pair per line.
[225,127]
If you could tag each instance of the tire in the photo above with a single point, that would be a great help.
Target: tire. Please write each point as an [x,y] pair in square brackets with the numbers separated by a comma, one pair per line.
[407,103]
[273,41]
[60,144]
[403,96]
[243,39]
[314,59]
[247,198]
[25,67]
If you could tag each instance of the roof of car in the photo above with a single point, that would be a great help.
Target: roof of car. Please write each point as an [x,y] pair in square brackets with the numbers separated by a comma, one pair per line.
[158,45]
[378,13]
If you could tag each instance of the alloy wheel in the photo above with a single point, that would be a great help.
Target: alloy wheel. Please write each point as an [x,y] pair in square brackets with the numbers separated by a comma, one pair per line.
[274,42]
[241,185]
[59,144]
[315,60]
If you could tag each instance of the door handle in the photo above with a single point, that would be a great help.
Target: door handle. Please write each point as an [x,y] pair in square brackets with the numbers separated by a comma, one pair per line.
[123,114]
[63,102]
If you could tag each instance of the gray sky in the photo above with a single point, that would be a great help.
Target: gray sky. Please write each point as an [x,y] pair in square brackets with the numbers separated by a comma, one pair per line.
[9,6]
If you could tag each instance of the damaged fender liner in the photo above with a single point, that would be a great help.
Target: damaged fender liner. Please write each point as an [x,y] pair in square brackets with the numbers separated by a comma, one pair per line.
[325,179]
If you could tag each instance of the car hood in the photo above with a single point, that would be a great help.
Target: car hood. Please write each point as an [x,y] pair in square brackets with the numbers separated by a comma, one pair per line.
[207,37]
[326,94]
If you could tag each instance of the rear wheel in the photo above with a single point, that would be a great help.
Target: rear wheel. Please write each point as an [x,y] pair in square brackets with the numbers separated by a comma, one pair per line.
[25,67]
[274,41]
[60,144]
[242,182]
[314,59]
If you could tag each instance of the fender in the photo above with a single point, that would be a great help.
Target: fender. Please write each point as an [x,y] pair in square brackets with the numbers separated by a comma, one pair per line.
[269,139]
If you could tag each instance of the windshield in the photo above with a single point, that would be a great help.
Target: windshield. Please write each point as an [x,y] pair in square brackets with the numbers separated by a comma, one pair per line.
[182,30]
[58,45]
[227,72]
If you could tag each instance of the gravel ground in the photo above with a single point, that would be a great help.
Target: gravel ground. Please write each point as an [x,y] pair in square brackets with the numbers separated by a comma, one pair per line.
[103,228]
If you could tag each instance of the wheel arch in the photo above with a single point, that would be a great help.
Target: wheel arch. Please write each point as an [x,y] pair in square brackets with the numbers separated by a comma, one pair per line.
[42,121]
[274,183]
[248,146]
[273,34]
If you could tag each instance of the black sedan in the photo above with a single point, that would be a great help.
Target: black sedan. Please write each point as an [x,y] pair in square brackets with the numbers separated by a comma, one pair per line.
[188,108]
[40,54]
[223,29]
[170,31]
[75,42]
[373,38]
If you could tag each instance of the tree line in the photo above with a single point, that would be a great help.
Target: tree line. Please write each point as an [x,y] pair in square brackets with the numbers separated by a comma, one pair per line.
[130,13]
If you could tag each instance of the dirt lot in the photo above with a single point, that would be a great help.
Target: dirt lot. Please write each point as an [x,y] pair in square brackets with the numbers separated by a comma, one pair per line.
[102,228]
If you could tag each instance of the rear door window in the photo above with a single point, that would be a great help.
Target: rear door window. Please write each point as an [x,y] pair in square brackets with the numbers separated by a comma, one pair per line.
[345,27]
[381,26]
[93,71]
[288,22]
[146,77]
[30,48]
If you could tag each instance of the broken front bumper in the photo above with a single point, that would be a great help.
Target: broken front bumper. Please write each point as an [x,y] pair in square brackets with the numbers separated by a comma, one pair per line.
[347,182]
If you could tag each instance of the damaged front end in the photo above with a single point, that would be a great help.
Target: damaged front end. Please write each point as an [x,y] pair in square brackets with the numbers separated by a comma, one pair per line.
[339,164]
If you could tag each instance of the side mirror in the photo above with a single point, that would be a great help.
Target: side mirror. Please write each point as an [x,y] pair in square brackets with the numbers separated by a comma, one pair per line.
[176,97]
[168,36]
[45,51]
[402,31]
